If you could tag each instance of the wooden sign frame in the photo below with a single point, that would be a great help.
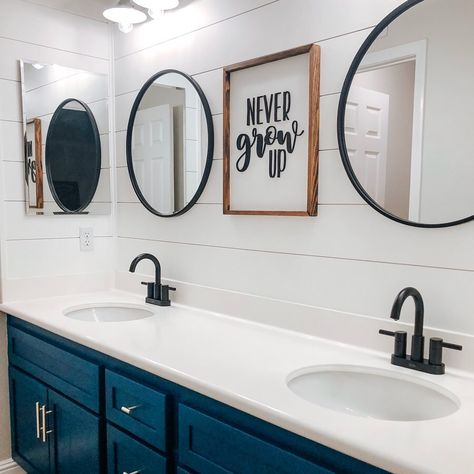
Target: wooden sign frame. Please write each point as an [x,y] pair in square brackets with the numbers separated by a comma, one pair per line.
[38,171]
[314,52]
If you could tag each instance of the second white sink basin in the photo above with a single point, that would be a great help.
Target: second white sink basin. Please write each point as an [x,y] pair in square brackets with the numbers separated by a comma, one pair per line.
[373,393]
[108,313]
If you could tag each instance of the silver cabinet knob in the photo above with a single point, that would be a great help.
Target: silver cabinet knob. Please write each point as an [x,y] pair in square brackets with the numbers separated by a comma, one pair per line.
[128,411]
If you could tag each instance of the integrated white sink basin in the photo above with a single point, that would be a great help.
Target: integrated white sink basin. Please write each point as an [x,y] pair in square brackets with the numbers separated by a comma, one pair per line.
[372,393]
[108,313]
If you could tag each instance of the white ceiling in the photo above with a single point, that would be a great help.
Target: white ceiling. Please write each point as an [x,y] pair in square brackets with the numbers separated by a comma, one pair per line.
[89,8]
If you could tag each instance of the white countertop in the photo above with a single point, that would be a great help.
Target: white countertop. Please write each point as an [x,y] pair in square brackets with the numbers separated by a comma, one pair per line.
[246,366]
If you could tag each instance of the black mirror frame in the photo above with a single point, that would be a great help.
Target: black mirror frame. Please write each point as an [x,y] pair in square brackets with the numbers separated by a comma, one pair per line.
[98,152]
[342,113]
[210,144]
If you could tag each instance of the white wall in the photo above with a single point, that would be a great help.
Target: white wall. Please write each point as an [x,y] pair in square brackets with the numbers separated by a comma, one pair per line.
[37,252]
[349,257]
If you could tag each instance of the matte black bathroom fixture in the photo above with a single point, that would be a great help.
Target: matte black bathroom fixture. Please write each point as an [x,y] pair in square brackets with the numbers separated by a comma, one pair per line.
[157,293]
[416,361]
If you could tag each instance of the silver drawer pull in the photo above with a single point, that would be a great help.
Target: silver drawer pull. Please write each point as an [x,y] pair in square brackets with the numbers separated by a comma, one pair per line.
[38,429]
[45,432]
[134,472]
[128,411]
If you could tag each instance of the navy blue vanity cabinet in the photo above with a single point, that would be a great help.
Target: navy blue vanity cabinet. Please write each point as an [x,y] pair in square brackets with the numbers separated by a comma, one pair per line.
[27,397]
[127,455]
[74,435]
[211,446]
[136,408]
[49,432]
[102,415]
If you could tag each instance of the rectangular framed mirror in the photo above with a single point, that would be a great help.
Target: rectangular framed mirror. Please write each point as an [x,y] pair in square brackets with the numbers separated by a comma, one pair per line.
[66,132]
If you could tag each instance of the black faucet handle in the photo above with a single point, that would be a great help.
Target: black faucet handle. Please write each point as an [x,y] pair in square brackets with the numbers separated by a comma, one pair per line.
[400,349]
[150,288]
[165,294]
[436,350]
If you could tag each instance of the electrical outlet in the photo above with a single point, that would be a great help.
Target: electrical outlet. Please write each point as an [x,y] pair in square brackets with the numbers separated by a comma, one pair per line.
[86,239]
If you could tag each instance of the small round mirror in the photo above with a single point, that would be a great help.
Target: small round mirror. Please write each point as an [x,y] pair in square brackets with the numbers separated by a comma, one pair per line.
[170,143]
[73,156]
[405,121]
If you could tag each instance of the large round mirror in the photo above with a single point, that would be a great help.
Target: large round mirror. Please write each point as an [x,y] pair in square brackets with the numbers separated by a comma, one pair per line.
[405,116]
[170,143]
[73,156]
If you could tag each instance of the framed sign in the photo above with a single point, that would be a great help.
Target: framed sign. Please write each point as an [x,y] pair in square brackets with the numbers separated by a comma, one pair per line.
[34,163]
[271,134]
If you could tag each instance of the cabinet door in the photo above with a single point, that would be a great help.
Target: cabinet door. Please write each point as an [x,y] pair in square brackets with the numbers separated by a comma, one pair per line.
[127,455]
[27,396]
[74,436]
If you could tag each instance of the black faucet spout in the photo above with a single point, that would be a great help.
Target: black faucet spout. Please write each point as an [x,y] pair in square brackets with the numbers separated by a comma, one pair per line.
[417,343]
[147,256]
[419,308]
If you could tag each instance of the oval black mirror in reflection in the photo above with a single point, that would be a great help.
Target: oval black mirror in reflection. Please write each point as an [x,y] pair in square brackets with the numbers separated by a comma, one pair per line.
[170,143]
[405,115]
[73,156]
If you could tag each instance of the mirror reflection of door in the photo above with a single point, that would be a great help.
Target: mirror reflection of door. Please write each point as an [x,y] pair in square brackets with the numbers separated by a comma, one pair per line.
[367,139]
[399,72]
[153,148]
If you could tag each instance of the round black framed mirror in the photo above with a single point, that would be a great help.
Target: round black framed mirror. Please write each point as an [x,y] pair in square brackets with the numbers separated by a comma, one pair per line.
[404,118]
[170,143]
[73,156]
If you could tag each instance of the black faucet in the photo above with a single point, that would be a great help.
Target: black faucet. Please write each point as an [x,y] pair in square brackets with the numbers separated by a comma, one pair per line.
[416,361]
[417,340]
[157,293]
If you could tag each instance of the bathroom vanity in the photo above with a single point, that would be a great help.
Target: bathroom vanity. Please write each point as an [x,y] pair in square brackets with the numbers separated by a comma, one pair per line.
[75,410]
[184,390]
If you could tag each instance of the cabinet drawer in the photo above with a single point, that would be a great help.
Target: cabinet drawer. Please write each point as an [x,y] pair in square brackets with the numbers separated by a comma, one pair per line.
[126,455]
[67,373]
[211,446]
[136,408]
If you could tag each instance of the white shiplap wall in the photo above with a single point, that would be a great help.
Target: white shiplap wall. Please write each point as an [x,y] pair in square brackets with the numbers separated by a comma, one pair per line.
[37,252]
[41,249]
[348,258]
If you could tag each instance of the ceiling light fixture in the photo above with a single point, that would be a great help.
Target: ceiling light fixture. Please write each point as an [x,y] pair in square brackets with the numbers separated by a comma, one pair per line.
[156,8]
[125,14]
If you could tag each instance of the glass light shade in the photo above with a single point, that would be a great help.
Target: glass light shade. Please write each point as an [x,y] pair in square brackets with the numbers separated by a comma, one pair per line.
[125,27]
[157,5]
[125,15]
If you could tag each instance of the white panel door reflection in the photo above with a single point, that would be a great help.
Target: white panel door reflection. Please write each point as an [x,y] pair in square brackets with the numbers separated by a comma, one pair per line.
[367,116]
[153,156]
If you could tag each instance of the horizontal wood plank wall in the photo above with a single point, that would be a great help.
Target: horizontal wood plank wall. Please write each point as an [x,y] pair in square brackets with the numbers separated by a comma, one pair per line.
[348,258]
[36,247]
